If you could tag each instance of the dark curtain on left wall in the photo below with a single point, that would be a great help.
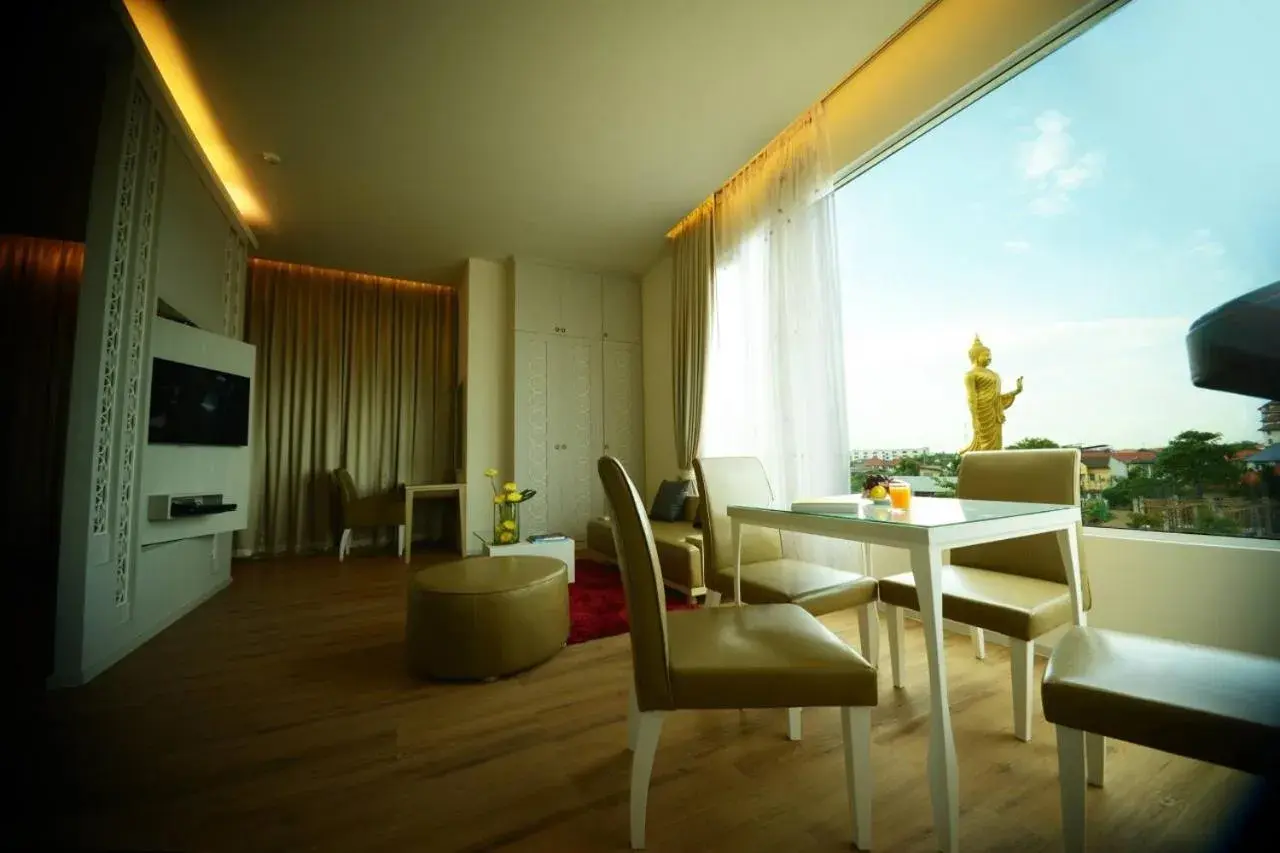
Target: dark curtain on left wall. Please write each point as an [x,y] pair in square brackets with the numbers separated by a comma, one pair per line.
[39,292]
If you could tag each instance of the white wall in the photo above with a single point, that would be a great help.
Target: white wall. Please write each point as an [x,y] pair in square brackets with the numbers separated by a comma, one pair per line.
[659,417]
[153,229]
[486,363]
[191,242]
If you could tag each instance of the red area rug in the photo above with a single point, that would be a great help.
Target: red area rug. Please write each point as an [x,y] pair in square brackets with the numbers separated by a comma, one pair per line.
[597,605]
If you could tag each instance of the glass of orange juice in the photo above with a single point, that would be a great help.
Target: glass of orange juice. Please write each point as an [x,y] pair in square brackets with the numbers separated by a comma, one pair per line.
[899,495]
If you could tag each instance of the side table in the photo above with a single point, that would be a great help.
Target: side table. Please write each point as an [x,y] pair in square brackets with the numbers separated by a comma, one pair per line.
[559,549]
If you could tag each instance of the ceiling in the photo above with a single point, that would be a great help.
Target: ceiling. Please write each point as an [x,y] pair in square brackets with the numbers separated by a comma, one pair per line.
[416,133]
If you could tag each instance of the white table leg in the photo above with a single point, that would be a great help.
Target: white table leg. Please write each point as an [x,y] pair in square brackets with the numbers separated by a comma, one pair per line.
[944,784]
[897,658]
[736,533]
[1022,669]
[1069,545]
[869,633]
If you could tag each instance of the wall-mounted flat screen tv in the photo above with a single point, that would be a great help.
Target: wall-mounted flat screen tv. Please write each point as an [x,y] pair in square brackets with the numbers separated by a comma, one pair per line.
[195,405]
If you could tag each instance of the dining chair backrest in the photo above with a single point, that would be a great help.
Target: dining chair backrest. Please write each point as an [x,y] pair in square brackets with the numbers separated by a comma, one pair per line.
[1030,476]
[642,585]
[726,481]
[346,486]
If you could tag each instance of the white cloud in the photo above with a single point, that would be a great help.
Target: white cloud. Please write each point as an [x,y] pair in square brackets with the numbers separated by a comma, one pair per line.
[1017,247]
[1051,148]
[1081,171]
[1050,167]
[1202,243]
[1050,203]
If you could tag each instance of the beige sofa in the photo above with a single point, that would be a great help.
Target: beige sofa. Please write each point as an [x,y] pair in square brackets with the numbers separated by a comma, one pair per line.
[677,542]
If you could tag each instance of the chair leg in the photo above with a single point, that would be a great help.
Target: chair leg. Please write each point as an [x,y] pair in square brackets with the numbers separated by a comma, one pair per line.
[648,729]
[344,544]
[979,642]
[1021,664]
[400,540]
[793,724]
[1071,777]
[896,640]
[869,633]
[855,725]
[1095,754]
[713,598]
[633,718]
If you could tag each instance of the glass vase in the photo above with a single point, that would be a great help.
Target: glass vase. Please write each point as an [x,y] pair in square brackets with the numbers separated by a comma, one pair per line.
[506,523]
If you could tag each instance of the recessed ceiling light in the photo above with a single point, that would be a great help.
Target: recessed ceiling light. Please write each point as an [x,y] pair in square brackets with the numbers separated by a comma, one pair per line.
[271,158]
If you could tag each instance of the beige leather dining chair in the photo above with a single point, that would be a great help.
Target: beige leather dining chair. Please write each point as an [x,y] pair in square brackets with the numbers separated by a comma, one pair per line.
[768,656]
[767,576]
[1017,587]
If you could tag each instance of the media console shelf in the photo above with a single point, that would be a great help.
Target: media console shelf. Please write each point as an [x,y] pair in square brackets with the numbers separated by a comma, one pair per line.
[169,507]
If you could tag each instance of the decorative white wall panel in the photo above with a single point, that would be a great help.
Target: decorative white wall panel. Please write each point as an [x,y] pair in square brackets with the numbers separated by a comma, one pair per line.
[531,450]
[140,311]
[233,286]
[117,275]
[624,408]
[575,419]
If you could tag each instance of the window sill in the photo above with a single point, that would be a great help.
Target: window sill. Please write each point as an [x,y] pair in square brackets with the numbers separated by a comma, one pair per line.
[1235,543]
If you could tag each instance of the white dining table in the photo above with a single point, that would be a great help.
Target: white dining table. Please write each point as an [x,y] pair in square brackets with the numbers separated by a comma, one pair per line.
[928,528]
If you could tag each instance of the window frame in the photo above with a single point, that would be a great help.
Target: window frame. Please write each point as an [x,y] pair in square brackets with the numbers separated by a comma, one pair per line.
[1067,31]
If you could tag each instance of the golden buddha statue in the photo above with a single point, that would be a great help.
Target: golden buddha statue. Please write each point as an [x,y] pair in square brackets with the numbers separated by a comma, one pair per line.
[986,403]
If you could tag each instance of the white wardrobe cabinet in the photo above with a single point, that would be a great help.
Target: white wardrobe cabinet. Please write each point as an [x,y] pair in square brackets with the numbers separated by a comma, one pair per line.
[559,430]
[624,407]
[557,301]
[577,395]
[620,301]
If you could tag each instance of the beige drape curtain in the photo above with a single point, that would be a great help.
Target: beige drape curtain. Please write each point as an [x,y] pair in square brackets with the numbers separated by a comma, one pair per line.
[353,371]
[692,289]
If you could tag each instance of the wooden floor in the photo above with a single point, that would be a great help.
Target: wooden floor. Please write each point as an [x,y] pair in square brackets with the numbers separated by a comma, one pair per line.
[279,717]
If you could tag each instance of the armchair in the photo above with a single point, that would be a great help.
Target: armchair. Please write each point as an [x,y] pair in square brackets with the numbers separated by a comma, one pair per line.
[385,510]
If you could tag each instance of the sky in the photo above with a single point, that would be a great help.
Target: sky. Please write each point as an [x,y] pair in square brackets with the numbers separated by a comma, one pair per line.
[1078,218]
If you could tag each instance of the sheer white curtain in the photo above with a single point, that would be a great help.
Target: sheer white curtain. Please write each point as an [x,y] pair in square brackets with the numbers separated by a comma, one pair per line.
[775,371]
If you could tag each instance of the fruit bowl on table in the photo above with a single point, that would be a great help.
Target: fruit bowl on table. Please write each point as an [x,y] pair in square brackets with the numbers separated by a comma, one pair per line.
[875,488]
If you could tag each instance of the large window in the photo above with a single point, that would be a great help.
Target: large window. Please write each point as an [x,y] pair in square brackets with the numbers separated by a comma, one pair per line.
[1079,218]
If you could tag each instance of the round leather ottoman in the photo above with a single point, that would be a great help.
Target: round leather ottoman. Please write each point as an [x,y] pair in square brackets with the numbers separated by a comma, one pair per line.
[486,617]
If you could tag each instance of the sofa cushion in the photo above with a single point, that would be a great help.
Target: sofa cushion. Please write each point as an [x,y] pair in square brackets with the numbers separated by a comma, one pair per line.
[668,503]
[680,562]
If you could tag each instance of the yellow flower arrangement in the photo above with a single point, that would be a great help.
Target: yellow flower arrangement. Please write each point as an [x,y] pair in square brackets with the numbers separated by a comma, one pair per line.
[506,509]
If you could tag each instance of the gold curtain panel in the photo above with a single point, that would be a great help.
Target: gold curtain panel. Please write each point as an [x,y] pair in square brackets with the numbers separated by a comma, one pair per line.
[354,371]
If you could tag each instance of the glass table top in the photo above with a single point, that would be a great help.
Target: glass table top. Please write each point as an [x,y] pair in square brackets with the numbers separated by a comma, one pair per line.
[923,513]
